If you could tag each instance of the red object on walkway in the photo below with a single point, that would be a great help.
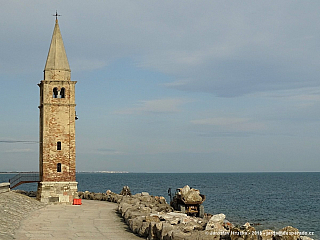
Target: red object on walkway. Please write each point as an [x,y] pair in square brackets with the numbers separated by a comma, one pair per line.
[77,201]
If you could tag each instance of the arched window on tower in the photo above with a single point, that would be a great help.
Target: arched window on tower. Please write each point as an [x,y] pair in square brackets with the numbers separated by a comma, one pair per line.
[55,93]
[62,93]
[59,167]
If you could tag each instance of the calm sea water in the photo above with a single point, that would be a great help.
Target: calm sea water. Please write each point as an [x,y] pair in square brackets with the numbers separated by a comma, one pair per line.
[274,200]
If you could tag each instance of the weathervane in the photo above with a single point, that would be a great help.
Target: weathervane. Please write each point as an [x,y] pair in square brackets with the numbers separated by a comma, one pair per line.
[56,15]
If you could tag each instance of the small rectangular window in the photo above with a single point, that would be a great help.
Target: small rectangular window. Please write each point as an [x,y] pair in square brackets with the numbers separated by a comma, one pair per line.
[58,145]
[59,167]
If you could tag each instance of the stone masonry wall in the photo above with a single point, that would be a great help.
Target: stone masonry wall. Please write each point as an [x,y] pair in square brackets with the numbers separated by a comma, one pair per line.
[57,124]
[57,192]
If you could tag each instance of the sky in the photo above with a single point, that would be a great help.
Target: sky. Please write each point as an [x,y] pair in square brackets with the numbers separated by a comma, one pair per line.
[169,86]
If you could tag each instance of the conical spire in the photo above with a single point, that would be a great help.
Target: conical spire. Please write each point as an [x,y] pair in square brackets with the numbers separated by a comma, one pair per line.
[57,62]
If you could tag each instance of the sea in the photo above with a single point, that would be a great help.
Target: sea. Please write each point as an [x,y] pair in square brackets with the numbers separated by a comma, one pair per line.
[266,200]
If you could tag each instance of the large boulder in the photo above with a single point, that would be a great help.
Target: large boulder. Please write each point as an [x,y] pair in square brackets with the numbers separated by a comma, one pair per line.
[98,196]
[246,232]
[132,213]
[163,207]
[267,234]
[160,199]
[155,229]
[236,233]
[190,194]
[86,195]
[190,226]
[184,190]
[80,194]
[177,234]
[123,207]
[288,233]
[215,223]
[166,230]
[152,218]
[173,218]
[136,223]
[116,198]
[249,232]
[144,229]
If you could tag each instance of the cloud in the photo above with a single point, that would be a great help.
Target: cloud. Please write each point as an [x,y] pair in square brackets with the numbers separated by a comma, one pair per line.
[232,78]
[240,49]
[166,105]
[262,55]
[221,47]
[300,98]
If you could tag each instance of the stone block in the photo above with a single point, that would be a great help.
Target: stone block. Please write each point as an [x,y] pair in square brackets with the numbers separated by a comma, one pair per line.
[53,199]
[64,198]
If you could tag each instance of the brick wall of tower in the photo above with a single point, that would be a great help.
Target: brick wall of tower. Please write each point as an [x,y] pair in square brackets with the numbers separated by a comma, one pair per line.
[57,124]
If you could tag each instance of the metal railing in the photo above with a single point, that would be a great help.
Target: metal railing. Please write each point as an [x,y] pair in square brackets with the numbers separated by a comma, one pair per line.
[26,177]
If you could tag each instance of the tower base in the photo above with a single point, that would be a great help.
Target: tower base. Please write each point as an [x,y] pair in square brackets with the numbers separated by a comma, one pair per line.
[57,192]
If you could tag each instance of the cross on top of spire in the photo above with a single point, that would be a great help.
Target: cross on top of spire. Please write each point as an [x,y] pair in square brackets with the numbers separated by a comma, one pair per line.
[57,57]
[56,15]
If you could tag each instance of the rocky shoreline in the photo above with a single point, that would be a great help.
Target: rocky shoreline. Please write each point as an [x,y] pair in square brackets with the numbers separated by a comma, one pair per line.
[151,217]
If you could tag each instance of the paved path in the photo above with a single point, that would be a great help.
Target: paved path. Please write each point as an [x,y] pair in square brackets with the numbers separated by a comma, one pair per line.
[91,220]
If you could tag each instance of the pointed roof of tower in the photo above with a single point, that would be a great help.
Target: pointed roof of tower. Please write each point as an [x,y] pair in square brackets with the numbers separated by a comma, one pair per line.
[57,57]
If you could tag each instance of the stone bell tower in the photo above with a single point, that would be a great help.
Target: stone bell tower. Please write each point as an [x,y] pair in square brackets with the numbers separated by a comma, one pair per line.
[57,153]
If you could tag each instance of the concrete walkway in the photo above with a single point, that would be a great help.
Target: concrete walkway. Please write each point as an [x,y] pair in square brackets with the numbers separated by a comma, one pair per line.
[91,220]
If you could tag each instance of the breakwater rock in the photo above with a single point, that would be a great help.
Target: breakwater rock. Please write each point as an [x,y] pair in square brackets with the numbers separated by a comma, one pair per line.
[32,194]
[151,217]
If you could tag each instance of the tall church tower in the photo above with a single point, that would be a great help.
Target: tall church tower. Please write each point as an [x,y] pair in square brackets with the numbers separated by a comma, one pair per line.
[57,154]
